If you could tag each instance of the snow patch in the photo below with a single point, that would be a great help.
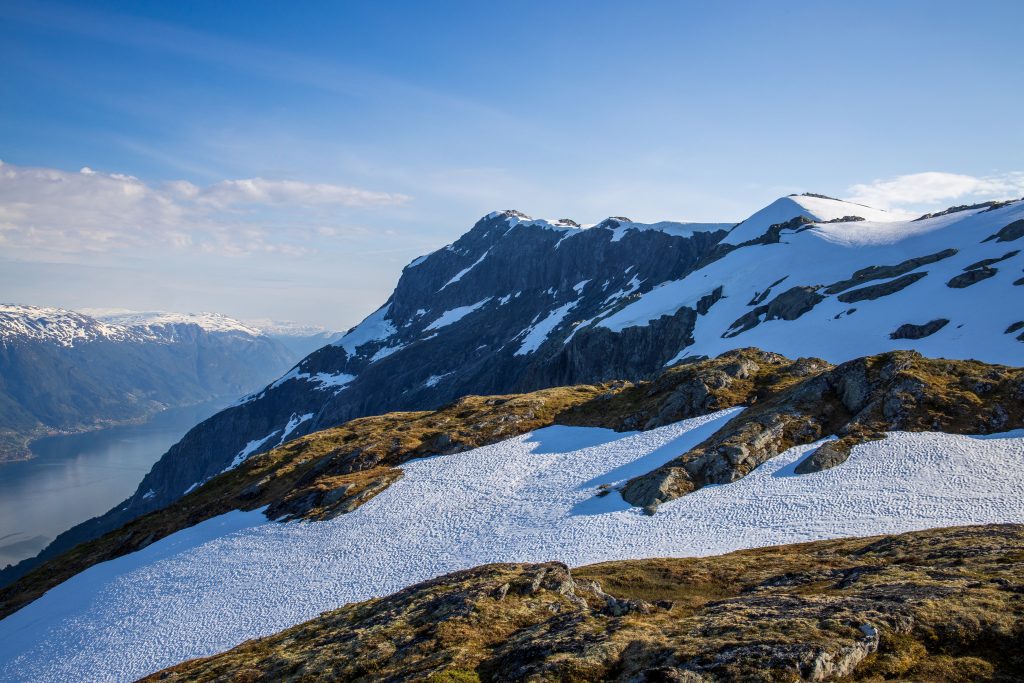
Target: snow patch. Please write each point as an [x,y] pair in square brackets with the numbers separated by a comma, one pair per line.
[536,335]
[458,275]
[293,422]
[375,327]
[248,450]
[455,315]
[434,380]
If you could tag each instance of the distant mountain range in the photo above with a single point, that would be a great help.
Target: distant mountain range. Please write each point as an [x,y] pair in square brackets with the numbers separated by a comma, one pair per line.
[65,371]
[300,339]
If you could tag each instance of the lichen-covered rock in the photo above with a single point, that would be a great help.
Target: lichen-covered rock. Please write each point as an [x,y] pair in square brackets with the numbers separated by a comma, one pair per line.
[828,455]
[855,401]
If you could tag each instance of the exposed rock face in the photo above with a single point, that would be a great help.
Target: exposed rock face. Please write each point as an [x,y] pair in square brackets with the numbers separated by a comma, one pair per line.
[884,272]
[856,401]
[911,331]
[759,297]
[938,606]
[826,456]
[789,305]
[971,277]
[988,206]
[884,289]
[1011,232]
[991,261]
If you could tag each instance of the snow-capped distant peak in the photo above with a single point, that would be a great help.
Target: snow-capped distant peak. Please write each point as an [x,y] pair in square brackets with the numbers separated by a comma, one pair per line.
[211,322]
[287,328]
[57,325]
[816,208]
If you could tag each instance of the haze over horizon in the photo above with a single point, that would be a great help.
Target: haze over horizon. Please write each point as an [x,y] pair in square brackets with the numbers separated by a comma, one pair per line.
[266,162]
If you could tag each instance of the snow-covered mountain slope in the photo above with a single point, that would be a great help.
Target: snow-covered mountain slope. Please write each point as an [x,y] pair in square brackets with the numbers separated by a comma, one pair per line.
[837,290]
[816,208]
[65,370]
[530,498]
[518,304]
[59,326]
[160,320]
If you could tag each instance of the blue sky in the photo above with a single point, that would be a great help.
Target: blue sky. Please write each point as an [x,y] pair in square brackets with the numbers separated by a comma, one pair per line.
[286,160]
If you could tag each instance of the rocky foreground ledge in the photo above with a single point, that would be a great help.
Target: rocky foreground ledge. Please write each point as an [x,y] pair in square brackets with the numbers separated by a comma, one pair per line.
[937,605]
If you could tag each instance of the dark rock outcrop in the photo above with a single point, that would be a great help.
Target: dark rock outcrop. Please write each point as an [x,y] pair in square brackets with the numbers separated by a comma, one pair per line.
[789,305]
[971,277]
[988,206]
[877,291]
[990,261]
[911,331]
[884,272]
[826,456]
[1009,233]
[759,297]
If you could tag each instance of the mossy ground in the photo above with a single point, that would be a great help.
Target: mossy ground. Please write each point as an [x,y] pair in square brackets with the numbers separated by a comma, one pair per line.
[941,605]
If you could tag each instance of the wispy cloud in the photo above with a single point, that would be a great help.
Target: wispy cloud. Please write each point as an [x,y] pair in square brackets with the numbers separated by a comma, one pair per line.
[933,188]
[50,210]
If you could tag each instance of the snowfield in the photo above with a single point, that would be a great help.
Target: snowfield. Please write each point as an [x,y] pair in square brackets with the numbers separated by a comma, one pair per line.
[530,498]
[978,315]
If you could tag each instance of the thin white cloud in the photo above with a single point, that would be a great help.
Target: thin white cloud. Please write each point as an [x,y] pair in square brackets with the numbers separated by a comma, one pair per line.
[934,188]
[261,191]
[44,209]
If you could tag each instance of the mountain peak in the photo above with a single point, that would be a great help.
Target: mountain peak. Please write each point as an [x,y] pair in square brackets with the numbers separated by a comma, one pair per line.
[211,322]
[817,208]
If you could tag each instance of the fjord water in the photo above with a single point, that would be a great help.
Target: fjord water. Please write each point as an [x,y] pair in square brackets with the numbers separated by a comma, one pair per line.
[75,477]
